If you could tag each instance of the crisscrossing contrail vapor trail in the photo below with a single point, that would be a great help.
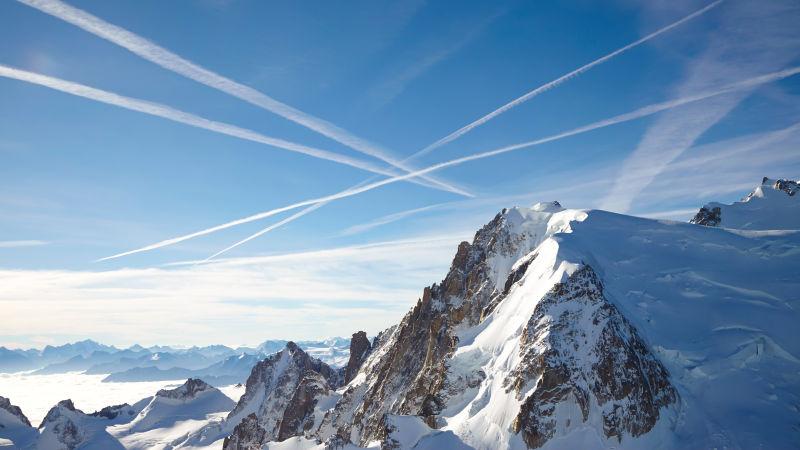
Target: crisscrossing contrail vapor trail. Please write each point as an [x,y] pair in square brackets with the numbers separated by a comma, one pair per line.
[535,92]
[156,54]
[626,117]
[554,83]
[166,112]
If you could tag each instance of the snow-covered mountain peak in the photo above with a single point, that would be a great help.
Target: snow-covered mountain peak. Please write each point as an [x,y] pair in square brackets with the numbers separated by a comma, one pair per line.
[193,400]
[768,185]
[772,205]
[553,206]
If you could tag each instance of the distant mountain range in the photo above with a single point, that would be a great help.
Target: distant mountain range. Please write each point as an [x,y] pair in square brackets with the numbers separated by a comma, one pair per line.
[216,364]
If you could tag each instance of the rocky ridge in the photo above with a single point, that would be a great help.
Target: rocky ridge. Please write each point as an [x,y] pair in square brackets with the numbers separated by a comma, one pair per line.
[5,404]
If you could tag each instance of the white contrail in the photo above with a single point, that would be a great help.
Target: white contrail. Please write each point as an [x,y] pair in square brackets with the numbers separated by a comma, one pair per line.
[636,114]
[539,90]
[551,84]
[268,229]
[156,54]
[356,229]
[166,112]
[387,219]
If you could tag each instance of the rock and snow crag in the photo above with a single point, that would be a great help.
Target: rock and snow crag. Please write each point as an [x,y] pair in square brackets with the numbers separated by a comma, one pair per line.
[15,428]
[280,398]
[578,350]
[772,205]
[67,428]
[407,372]
[15,411]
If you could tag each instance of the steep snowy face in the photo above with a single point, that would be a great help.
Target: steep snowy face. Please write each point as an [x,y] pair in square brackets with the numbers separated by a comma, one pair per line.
[771,206]
[280,399]
[407,372]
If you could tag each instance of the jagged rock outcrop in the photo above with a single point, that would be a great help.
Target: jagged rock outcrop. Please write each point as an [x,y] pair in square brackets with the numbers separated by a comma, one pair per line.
[279,399]
[359,349]
[116,412]
[577,350]
[708,216]
[298,417]
[5,404]
[789,186]
[248,435]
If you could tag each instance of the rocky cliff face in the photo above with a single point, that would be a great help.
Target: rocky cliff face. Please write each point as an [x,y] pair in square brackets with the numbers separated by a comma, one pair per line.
[359,349]
[578,350]
[709,216]
[279,398]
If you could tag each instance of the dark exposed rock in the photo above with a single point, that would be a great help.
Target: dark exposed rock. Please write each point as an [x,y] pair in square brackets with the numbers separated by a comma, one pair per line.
[359,349]
[112,412]
[248,435]
[708,216]
[791,187]
[14,410]
[282,390]
[606,363]
[187,390]
[298,416]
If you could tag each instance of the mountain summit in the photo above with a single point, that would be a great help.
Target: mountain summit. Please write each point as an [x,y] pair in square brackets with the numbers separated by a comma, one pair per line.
[562,328]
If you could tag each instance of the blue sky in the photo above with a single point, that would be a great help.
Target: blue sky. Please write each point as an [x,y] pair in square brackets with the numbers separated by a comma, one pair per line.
[81,180]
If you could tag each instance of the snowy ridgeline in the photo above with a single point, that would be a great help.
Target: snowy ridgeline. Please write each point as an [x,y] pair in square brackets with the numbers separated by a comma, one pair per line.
[554,328]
